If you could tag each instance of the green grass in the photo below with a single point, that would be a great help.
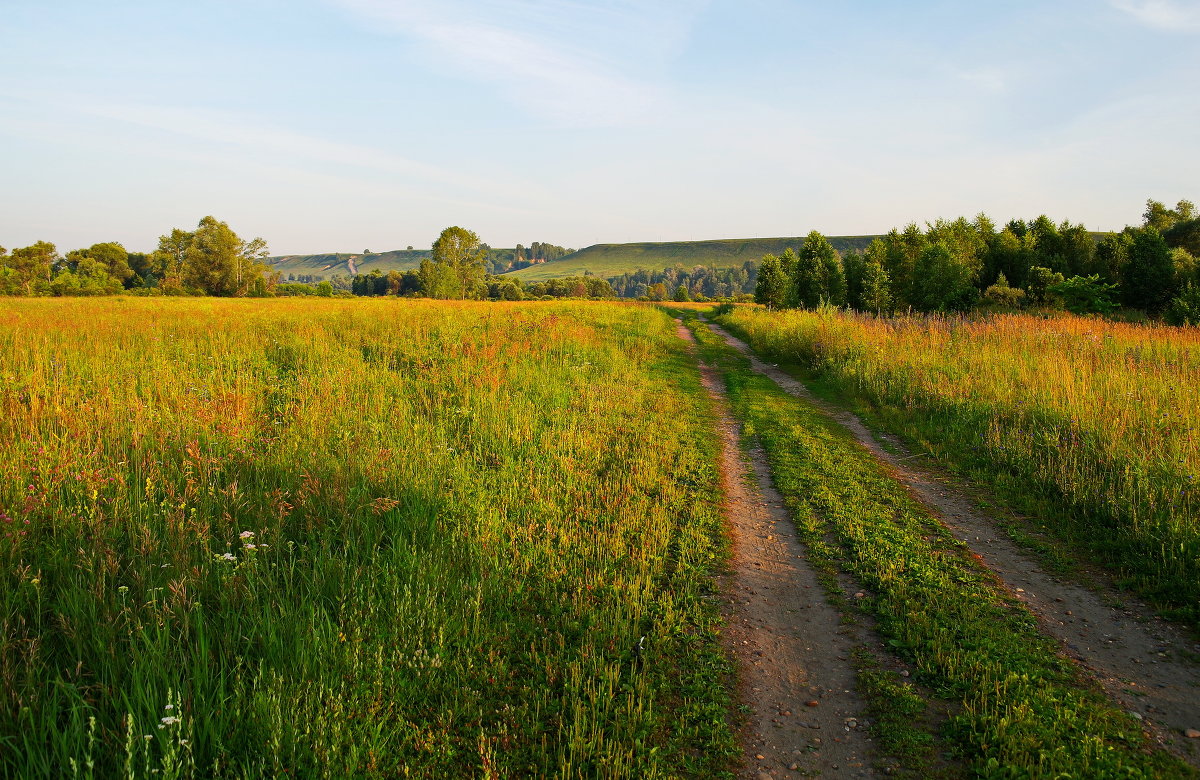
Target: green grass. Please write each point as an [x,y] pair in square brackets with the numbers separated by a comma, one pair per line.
[608,260]
[1019,709]
[356,539]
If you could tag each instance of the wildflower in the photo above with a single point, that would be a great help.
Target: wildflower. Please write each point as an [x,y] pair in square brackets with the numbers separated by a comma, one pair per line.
[170,720]
[227,557]
[169,707]
[246,535]
[249,547]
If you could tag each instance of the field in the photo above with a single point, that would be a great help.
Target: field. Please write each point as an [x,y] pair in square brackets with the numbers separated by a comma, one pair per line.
[363,538]
[608,260]
[409,538]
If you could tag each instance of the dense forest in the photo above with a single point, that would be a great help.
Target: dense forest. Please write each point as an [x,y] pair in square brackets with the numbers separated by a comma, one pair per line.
[964,264]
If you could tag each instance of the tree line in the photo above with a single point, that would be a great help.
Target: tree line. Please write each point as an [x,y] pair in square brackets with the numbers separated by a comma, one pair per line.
[699,283]
[210,260]
[957,266]
[458,268]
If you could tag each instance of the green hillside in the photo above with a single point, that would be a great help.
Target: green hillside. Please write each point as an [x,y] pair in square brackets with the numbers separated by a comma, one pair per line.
[607,260]
[604,260]
[328,265]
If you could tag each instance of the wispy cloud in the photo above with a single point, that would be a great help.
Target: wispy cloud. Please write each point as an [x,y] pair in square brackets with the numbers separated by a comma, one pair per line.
[577,62]
[228,131]
[1169,15]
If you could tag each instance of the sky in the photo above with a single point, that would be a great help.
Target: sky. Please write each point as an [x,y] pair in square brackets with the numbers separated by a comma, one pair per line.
[352,125]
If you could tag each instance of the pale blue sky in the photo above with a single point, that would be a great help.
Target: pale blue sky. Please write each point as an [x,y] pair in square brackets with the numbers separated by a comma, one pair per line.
[339,125]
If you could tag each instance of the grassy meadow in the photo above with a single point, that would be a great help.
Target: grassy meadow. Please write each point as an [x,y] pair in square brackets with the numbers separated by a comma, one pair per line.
[1094,423]
[373,538]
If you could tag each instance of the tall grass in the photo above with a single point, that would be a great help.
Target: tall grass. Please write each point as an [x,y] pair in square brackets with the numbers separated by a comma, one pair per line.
[1098,418]
[363,538]
[1016,708]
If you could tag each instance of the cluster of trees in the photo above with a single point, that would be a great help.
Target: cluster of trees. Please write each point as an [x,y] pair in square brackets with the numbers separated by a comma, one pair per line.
[959,265]
[700,283]
[457,269]
[210,260]
[502,260]
[499,288]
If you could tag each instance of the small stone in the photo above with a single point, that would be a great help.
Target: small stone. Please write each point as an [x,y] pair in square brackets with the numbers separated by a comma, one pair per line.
[765,776]
[794,767]
[904,673]
[1069,612]
[759,756]
[812,703]
[816,740]
[860,595]
[1137,715]
[1192,733]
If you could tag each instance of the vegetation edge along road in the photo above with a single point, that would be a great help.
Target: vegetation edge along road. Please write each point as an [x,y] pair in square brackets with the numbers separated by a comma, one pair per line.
[1018,707]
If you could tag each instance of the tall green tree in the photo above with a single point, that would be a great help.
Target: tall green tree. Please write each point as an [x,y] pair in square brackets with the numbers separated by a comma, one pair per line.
[167,262]
[943,282]
[1111,256]
[904,248]
[811,277]
[458,253]
[218,262]
[876,292]
[771,288]
[1149,274]
[854,265]
[1162,219]
[31,266]
[110,255]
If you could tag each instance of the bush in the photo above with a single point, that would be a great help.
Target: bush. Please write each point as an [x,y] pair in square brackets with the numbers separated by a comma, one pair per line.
[1185,309]
[1001,294]
[1038,284]
[1085,295]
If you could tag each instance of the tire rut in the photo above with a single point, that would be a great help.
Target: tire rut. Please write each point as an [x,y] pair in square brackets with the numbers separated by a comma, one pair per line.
[793,652]
[1139,659]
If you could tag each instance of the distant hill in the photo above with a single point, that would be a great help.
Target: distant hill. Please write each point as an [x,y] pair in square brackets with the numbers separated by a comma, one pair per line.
[346,264]
[342,264]
[608,260]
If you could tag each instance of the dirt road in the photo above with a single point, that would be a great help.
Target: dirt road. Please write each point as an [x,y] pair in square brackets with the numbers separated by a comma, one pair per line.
[793,651]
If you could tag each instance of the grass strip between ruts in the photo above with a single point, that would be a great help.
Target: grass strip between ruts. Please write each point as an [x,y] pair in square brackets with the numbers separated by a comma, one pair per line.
[1025,711]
